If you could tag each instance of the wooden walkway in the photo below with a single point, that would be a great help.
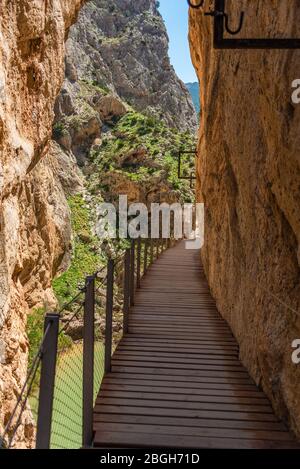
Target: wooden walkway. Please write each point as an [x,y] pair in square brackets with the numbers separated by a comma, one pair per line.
[176,378]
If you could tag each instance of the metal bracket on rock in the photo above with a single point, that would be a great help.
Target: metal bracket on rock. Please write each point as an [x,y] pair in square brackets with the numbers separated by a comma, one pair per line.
[221,25]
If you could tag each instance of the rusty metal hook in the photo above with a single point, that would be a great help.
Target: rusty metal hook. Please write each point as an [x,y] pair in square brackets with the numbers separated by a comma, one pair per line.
[228,29]
[225,15]
[199,5]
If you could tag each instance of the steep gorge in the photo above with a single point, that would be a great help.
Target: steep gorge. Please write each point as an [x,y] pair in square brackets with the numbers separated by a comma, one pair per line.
[122,114]
[248,173]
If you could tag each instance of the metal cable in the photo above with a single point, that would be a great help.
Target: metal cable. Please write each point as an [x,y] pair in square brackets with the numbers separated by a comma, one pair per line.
[33,368]
[66,305]
[102,284]
[63,329]
[24,404]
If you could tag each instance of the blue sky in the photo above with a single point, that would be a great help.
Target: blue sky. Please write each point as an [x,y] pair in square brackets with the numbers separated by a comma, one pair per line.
[175,14]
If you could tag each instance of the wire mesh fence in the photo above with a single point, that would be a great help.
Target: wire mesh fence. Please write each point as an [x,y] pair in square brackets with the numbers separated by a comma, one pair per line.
[57,398]
[23,417]
[67,400]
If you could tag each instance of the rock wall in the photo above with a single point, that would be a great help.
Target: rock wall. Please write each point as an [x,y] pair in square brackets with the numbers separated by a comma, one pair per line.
[34,217]
[249,178]
[123,45]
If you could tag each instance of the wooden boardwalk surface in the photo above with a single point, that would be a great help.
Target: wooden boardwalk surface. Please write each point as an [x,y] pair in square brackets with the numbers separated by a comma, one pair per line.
[176,378]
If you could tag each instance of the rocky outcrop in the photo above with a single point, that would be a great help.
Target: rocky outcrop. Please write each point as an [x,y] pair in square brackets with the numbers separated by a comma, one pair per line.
[123,47]
[248,177]
[34,217]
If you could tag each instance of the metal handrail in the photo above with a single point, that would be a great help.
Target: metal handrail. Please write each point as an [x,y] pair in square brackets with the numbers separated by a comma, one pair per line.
[136,261]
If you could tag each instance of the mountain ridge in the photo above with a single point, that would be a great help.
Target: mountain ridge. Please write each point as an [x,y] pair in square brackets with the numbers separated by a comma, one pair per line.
[194,90]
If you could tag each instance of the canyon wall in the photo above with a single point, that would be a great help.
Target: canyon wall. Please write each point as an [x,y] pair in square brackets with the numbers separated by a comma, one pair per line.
[122,115]
[34,216]
[122,105]
[249,179]
[123,46]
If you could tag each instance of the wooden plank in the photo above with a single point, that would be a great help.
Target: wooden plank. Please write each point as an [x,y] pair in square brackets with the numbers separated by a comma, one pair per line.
[176,323]
[206,347]
[195,332]
[259,412]
[123,406]
[199,353]
[143,439]
[214,369]
[203,386]
[183,397]
[192,342]
[216,374]
[193,431]
[189,422]
[197,378]
[168,358]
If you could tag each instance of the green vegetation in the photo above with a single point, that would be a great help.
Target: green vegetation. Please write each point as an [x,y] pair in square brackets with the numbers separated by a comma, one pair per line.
[90,86]
[59,130]
[159,146]
[86,258]
[35,332]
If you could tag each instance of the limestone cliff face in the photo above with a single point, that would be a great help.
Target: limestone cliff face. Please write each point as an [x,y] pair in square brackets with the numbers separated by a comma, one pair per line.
[123,45]
[122,110]
[249,178]
[34,219]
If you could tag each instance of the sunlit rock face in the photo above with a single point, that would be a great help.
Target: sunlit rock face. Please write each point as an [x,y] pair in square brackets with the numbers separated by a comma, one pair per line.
[249,178]
[123,45]
[34,218]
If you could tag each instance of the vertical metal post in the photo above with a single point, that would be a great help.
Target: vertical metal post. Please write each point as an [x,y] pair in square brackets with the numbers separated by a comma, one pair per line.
[219,22]
[88,362]
[109,314]
[132,273]
[138,264]
[126,302]
[151,252]
[146,256]
[169,242]
[47,381]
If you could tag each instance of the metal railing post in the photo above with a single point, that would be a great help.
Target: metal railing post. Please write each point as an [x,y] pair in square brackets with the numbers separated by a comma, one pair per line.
[132,273]
[126,303]
[146,256]
[138,264]
[47,381]
[151,252]
[109,314]
[88,362]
